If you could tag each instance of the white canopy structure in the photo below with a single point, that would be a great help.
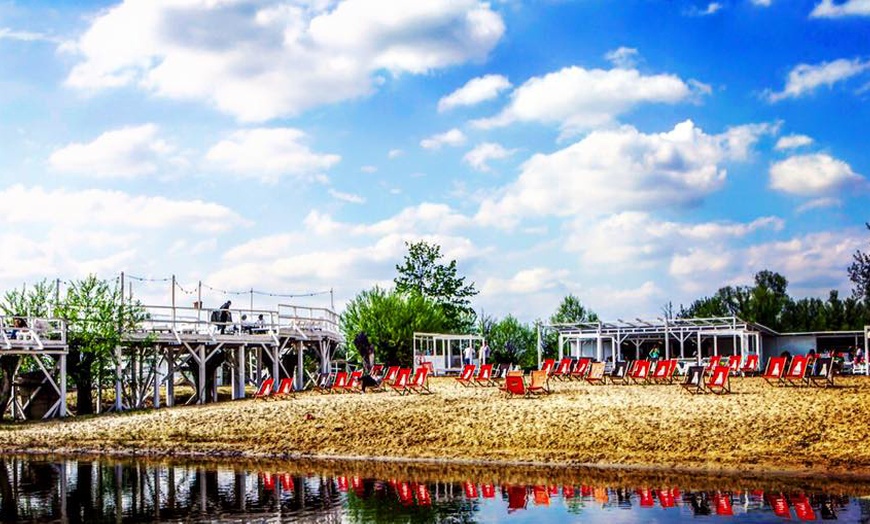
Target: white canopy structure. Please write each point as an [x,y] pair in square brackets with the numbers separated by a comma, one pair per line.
[444,351]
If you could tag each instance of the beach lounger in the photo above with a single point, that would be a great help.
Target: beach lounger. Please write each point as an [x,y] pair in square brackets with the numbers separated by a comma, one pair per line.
[694,382]
[400,383]
[353,384]
[265,388]
[797,371]
[711,365]
[581,368]
[750,367]
[465,378]
[539,383]
[563,370]
[734,364]
[719,382]
[285,388]
[419,383]
[376,371]
[323,383]
[619,373]
[774,370]
[596,373]
[664,371]
[822,374]
[339,383]
[514,385]
[484,376]
[640,371]
[548,366]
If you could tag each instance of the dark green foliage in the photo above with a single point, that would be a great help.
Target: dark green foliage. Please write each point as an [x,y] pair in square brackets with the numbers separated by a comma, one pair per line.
[423,273]
[859,274]
[513,342]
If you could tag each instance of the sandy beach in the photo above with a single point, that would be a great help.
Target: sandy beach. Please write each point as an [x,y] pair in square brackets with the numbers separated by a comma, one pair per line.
[758,429]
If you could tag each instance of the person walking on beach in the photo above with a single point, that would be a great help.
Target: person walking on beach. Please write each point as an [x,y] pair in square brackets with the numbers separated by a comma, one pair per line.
[469,354]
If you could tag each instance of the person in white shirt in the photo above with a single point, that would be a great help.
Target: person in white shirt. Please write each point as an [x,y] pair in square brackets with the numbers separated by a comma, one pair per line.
[469,354]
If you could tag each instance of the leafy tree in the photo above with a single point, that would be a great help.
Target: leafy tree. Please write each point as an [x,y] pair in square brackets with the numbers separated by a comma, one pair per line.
[767,299]
[513,342]
[859,274]
[390,318]
[423,273]
[569,311]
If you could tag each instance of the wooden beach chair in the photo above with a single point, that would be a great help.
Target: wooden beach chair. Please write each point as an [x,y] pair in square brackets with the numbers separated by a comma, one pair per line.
[774,370]
[719,381]
[581,368]
[465,378]
[323,383]
[265,388]
[750,367]
[539,383]
[484,376]
[596,373]
[285,388]
[664,371]
[514,386]
[354,383]
[339,383]
[419,383]
[798,371]
[548,366]
[822,374]
[640,371]
[400,383]
[734,364]
[563,370]
[619,373]
[694,382]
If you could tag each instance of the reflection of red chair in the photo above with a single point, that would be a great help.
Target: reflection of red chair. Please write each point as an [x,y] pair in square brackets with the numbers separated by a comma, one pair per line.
[722,501]
[268,481]
[646,497]
[470,489]
[342,483]
[516,498]
[586,491]
[423,496]
[666,498]
[265,388]
[567,492]
[286,482]
[488,491]
[466,376]
[406,495]
[779,505]
[802,507]
[542,496]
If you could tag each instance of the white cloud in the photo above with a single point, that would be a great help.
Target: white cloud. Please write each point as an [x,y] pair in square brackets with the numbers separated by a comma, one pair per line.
[525,282]
[828,9]
[818,203]
[475,91]
[805,78]
[395,153]
[126,152]
[7,33]
[424,218]
[369,169]
[347,197]
[712,8]
[268,154]
[454,138]
[813,175]
[621,169]
[479,157]
[761,3]
[793,142]
[262,60]
[622,57]
[579,99]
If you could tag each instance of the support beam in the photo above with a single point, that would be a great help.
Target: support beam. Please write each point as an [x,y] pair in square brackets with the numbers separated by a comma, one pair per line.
[300,372]
[239,377]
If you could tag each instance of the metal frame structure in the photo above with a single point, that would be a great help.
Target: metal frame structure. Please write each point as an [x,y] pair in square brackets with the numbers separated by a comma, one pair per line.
[44,342]
[639,331]
[437,348]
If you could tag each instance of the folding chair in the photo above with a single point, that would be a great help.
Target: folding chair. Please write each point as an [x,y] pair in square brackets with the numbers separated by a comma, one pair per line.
[640,372]
[581,368]
[514,385]
[822,374]
[265,388]
[774,370]
[750,367]
[353,384]
[734,364]
[400,383]
[466,376]
[619,373]
[376,371]
[797,371]
[548,366]
[719,382]
[563,370]
[323,383]
[500,372]
[711,365]
[339,383]
[539,383]
[420,382]
[596,373]
[285,389]
[664,371]
[484,376]
[694,382]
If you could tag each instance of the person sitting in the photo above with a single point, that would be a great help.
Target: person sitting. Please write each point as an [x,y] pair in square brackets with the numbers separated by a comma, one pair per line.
[247,325]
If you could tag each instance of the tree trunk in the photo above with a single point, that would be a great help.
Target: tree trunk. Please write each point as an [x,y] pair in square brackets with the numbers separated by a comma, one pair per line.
[8,365]
[81,373]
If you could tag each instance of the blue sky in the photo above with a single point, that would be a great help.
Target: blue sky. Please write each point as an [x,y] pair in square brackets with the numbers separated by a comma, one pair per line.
[630,152]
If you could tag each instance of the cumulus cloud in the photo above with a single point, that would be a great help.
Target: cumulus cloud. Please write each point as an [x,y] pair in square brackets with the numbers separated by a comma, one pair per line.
[818,203]
[454,138]
[395,153]
[122,153]
[526,281]
[347,197]
[578,99]
[268,154]
[623,57]
[813,175]
[475,91]
[258,60]
[622,169]
[806,78]
[793,142]
[711,9]
[828,9]
[7,33]
[479,157]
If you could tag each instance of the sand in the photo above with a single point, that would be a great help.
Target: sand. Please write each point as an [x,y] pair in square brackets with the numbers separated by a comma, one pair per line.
[757,429]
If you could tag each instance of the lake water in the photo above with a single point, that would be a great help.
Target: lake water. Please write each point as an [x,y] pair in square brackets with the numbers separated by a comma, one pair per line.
[64,490]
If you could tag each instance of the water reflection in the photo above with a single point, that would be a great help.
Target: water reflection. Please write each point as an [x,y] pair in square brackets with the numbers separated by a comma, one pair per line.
[63,490]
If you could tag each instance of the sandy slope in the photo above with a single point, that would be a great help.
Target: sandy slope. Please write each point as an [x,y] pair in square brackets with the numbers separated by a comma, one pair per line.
[758,428]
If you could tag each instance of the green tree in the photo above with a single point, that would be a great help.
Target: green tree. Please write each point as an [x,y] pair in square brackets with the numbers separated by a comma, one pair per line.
[859,274]
[569,311]
[767,299]
[513,342]
[423,273]
[390,318]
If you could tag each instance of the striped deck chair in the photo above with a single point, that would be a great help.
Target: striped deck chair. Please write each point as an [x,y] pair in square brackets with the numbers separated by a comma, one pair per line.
[694,382]
[376,371]
[323,383]
[581,368]
[465,378]
[354,382]
[548,366]
[822,374]
[774,370]
[285,389]
[400,383]
[734,364]
[797,374]
[750,367]
[619,373]
[640,371]
[664,371]
[339,383]
[563,370]
[719,382]
[596,373]
[265,388]
[715,360]
[419,383]
[539,383]
[484,376]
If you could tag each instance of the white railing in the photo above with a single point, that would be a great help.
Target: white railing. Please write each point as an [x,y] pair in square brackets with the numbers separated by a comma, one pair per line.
[309,318]
[30,331]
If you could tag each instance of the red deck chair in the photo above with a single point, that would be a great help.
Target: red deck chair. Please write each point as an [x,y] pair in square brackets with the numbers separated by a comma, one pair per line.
[563,370]
[265,388]
[694,382]
[581,368]
[323,382]
[400,383]
[484,376]
[714,361]
[353,384]
[734,364]
[376,371]
[664,372]
[774,370]
[392,371]
[797,371]
[750,367]
[719,382]
[465,378]
[339,383]
[548,366]
[420,382]
[640,371]
[802,507]
[285,388]
[539,383]
[515,385]
[596,373]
